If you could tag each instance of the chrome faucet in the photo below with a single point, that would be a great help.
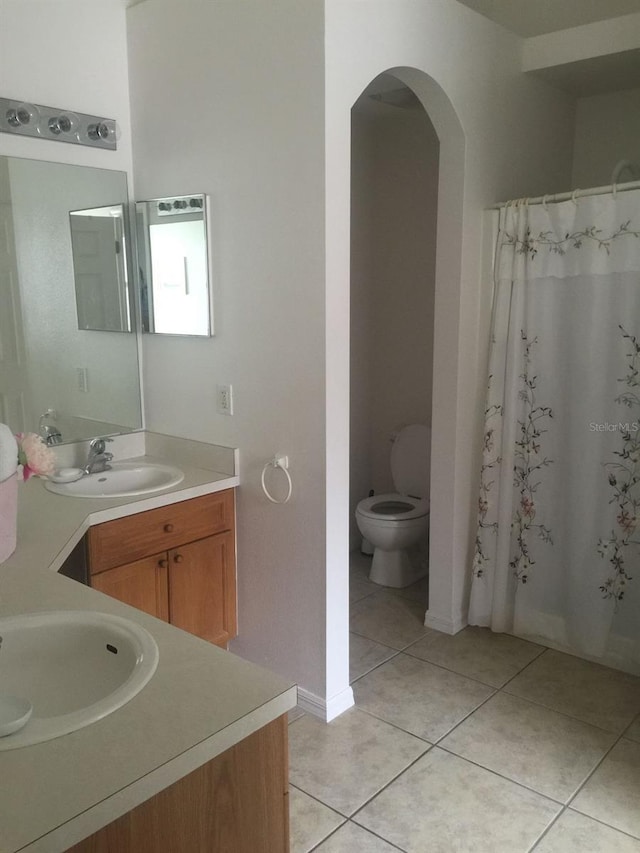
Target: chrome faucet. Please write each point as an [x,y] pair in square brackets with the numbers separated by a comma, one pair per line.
[48,429]
[98,459]
[51,435]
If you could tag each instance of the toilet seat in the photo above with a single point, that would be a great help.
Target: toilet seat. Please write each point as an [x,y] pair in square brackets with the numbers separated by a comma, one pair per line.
[393,507]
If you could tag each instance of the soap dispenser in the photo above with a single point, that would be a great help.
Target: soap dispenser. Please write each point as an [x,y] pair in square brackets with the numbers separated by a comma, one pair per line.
[49,429]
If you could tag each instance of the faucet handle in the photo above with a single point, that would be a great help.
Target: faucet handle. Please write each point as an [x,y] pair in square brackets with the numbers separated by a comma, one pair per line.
[97,445]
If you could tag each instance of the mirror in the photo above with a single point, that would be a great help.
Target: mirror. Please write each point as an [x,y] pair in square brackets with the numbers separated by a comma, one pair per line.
[89,379]
[173,269]
[100,268]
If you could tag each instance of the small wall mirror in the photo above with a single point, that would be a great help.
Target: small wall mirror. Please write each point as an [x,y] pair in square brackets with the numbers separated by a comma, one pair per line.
[173,266]
[103,294]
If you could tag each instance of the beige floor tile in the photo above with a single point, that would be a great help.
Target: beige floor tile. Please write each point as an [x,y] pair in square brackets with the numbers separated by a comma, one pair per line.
[576,833]
[595,694]
[309,821]
[422,699]
[633,732]
[418,591]
[359,589]
[345,762]
[389,619]
[443,804]
[365,655]
[360,566]
[539,748]
[351,838]
[479,653]
[612,795]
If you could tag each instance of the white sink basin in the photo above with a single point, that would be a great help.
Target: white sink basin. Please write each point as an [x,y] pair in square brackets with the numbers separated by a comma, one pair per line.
[74,667]
[124,479]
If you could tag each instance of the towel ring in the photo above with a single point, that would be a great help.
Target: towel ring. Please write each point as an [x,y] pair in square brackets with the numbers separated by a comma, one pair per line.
[281,462]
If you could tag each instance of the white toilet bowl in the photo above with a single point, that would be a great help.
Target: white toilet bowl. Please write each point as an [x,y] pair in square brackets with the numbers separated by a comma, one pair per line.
[396,523]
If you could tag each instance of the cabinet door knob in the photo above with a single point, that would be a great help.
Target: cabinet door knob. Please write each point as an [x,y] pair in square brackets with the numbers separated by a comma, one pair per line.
[168,528]
[163,563]
[178,558]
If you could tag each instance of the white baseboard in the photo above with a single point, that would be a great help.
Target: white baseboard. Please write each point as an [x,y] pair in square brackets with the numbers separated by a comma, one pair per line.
[325,709]
[446,626]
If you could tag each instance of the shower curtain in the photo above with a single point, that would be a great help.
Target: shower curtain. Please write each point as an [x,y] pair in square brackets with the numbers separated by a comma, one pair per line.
[557,554]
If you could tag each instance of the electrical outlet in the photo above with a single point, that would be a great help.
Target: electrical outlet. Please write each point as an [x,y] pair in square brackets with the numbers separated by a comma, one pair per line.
[224,396]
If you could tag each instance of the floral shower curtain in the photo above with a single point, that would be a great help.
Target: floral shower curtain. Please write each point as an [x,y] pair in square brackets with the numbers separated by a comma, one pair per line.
[557,555]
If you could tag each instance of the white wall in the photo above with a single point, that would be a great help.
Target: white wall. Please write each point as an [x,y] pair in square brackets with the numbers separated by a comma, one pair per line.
[607,131]
[501,136]
[239,116]
[394,160]
[361,313]
[245,115]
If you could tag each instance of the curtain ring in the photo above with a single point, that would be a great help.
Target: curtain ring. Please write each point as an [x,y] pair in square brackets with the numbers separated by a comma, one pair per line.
[544,202]
[574,197]
[614,189]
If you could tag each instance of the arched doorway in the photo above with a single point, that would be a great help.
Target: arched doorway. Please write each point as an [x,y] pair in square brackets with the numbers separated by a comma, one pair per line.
[394,204]
[448,541]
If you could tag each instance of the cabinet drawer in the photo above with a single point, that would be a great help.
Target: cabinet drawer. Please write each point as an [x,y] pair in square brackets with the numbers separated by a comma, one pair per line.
[136,536]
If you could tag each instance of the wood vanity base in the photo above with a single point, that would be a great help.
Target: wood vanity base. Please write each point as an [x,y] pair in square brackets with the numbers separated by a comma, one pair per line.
[236,803]
[176,562]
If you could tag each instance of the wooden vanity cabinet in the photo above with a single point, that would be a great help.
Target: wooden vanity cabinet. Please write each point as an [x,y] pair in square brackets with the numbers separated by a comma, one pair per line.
[236,803]
[175,562]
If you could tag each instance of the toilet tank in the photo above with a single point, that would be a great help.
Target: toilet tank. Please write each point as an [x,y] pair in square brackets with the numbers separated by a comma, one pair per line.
[411,460]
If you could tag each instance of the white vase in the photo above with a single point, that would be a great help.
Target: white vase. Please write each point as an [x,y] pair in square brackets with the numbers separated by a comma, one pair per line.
[8,516]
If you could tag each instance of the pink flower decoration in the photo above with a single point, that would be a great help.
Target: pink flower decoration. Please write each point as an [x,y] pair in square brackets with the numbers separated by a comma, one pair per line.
[34,455]
[527,506]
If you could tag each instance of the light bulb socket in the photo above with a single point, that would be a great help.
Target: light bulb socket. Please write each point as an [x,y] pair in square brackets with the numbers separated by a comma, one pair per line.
[63,123]
[99,130]
[22,115]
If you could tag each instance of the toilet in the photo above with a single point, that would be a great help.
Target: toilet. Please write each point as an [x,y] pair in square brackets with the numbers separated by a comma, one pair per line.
[396,523]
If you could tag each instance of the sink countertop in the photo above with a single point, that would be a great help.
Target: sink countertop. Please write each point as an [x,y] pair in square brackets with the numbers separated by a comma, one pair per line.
[201,700]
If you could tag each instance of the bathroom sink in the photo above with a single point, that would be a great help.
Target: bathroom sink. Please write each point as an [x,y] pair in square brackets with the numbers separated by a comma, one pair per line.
[123,479]
[73,667]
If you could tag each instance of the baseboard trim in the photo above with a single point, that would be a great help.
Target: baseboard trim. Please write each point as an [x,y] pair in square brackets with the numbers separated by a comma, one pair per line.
[446,626]
[325,709]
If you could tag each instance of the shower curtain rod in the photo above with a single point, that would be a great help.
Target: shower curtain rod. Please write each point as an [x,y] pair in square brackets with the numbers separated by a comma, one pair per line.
[575,195]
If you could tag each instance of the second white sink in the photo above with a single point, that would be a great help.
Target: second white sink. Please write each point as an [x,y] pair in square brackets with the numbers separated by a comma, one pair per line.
[123,479]
[74,667]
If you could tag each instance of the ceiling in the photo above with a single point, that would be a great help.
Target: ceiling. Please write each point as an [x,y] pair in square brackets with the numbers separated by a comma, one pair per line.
[536,17]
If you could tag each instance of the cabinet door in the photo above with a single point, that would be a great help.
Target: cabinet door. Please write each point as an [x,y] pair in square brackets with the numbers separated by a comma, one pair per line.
[202,588]
[142,584]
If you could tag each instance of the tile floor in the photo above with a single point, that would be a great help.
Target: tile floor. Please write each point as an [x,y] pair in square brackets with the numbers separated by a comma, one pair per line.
[480,742]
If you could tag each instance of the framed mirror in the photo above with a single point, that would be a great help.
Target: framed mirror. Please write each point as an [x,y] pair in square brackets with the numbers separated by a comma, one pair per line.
[100,268]
[173,266]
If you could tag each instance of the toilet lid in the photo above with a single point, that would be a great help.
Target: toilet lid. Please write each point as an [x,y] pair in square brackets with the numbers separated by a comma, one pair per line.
[411,460]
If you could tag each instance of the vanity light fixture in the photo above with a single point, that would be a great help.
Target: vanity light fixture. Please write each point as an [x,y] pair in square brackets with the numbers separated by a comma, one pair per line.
[181,204]
[61,125]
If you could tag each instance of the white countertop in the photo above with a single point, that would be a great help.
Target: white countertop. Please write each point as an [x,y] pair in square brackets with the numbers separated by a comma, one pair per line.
[201,700]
